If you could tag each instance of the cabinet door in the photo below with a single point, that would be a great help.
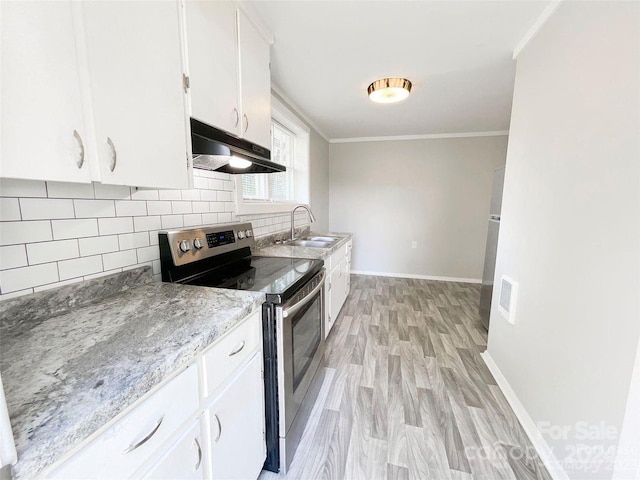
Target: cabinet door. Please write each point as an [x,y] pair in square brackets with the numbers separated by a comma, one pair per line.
[134,51]
[337,291]
[212,42]
[43,131]
[183,461]
[236,421]
[255,83]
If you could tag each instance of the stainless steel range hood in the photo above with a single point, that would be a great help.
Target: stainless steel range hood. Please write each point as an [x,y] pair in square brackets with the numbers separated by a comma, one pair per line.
[214,149]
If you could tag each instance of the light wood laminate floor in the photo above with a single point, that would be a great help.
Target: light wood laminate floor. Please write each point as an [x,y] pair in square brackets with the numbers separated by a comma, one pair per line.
[406,394]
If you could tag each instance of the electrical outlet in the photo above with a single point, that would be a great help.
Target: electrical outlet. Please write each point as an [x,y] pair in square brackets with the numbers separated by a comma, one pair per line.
[414,244]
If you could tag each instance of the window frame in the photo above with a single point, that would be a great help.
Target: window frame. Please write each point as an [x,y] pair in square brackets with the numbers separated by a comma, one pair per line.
[281,114]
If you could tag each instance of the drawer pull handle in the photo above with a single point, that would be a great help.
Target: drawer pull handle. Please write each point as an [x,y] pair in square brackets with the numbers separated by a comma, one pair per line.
[114,155]
[219,427]
[78,138]
[195,440]
[237,350]
[131,448]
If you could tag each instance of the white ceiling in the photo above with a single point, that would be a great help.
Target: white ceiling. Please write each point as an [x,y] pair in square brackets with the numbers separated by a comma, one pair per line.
[457,54]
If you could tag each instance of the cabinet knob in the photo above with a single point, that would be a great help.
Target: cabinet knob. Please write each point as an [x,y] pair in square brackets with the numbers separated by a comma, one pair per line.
[78,138]
[114,155]
[246,122]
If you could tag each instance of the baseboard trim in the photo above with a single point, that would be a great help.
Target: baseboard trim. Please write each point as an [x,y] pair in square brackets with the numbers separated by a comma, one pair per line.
[539,443]
[420,277]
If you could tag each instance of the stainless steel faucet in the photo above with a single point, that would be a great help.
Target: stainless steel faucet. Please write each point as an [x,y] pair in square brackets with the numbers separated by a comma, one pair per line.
[312,218]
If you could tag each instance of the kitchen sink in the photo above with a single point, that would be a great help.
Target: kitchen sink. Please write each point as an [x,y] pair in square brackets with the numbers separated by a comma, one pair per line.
[309,243]
[319,239]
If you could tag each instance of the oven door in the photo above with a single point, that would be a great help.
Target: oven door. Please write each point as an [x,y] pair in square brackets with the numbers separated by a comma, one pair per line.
[300,345]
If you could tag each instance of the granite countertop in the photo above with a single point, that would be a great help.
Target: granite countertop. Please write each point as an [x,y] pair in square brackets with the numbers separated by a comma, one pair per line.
[75,357]
[293,251]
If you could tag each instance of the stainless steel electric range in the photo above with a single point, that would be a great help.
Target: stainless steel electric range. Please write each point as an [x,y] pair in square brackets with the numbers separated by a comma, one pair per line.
[292,318]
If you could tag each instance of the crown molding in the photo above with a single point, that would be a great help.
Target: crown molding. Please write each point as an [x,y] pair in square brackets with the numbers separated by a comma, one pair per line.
[298,110]
[498,133]
[546,14]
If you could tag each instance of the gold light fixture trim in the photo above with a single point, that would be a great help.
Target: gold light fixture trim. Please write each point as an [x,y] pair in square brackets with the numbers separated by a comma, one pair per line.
[389,90]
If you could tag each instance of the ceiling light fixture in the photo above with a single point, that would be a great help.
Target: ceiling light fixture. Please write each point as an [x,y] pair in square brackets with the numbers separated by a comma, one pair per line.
[389,90]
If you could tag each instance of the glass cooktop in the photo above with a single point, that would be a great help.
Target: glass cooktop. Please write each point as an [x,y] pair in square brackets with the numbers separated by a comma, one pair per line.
[278,277]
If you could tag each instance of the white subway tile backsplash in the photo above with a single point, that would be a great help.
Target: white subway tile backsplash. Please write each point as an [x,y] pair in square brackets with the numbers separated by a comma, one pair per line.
[9,209]
[69,190]
[148,254]
[215,184]
[159,208]
[112,192]
[110,226]
[97,245]
[181,207]
[46,252]
[11,187]
[91,230]
[63,229]
[209,218]
[13,256]
[131,208]
[172,221]
[224,217]
[146,223]
[80,267]
[191,195]
[193,220]
[46,208]
[200,207]
[128,241]
[208,195]
[169,195]
[42,288]
[12,233]
[119,259]
[94,208]
[26,277]
[143,194]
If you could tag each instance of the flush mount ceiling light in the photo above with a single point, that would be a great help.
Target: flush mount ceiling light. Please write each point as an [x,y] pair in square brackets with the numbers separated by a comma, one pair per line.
[389,90]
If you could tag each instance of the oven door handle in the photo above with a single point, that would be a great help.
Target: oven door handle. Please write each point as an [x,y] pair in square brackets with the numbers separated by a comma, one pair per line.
[297,306]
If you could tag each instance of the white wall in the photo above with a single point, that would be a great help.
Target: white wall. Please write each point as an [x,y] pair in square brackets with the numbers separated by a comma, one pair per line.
[570,231]
[436,192]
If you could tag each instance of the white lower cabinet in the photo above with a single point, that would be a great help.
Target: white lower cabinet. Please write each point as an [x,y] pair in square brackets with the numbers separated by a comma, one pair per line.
[236,425]
[338,284]
[201,424]
[183,461]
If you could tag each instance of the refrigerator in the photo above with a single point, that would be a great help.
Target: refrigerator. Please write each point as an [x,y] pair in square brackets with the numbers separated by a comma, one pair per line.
[491,250]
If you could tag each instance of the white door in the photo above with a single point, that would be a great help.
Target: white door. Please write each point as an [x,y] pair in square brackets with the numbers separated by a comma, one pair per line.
[183,461]
[42,122]
[237,426]
[135,63]
[212,43]
[255,83]
[338,289]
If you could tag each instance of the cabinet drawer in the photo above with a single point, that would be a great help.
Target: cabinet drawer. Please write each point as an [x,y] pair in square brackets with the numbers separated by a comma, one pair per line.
[230,352]
[120,450]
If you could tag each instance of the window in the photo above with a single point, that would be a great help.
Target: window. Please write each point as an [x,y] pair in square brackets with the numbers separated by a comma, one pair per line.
[279,192]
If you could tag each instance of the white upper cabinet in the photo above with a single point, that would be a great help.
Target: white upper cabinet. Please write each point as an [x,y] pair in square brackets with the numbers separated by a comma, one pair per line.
[213,64]
[135,65]
[255,83]
[43,133]
[95,81]
[229,70]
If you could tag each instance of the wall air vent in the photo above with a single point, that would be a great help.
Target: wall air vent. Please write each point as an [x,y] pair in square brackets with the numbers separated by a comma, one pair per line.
[507,299]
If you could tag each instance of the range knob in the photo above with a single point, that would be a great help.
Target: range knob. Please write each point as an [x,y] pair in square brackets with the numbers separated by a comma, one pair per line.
[240,235]
[185,246]
[249,233]
[197,243]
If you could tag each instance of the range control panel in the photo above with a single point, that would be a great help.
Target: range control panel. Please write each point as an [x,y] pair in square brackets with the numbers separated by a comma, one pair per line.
[195,244]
